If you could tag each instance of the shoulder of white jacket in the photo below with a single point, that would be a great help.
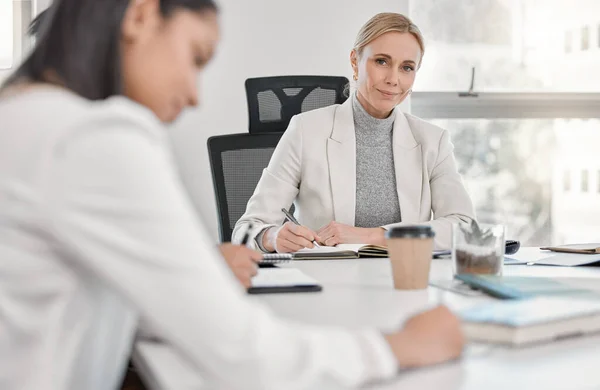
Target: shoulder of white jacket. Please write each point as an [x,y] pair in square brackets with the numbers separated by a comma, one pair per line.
[112,113]
[317,120]
[424,132]
[122,111]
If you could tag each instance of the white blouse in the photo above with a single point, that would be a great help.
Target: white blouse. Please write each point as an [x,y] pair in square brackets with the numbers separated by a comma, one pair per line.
[96,230]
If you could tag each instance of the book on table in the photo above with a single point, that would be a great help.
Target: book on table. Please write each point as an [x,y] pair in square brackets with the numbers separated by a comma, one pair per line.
[585,249]
[573,256]
[533,320]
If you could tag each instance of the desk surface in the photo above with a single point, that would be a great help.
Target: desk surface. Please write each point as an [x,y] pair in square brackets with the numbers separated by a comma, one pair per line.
[359,293]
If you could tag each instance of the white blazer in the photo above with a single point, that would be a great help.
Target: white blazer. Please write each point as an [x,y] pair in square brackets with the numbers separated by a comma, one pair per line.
[97,231]
[314,166]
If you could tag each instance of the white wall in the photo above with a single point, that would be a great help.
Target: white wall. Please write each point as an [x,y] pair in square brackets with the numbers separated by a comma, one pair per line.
[260,38]
[264,38]
[40,5]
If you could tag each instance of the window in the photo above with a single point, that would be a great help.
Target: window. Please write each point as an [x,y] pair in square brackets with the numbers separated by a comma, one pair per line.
[514,45]
[525,135]
[513,169]
[518,171]
[585,38]
[6,34]
[584,181]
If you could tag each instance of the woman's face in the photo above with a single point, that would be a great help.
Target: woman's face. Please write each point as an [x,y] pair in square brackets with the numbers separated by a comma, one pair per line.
[386,71]
[162,56]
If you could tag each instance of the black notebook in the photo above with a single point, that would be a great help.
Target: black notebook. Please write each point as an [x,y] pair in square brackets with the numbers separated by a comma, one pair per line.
[282,280]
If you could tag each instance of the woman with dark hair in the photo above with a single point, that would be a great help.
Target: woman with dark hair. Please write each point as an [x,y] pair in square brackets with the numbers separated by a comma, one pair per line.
[96,230]
[240,259]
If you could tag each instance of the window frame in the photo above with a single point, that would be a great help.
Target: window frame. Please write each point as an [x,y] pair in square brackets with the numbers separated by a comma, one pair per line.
[506,105]
[584,186]
[10,16]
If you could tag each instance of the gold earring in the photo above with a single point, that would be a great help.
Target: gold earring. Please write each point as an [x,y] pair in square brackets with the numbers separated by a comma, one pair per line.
[355,77]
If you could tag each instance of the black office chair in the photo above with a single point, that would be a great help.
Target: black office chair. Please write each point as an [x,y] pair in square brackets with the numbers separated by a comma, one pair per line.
[237,162]
[272,101]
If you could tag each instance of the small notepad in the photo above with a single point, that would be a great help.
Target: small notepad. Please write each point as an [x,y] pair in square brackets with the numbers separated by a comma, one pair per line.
[278,280]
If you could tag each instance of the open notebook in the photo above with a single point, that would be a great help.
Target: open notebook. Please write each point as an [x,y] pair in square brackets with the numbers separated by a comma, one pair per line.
[347,251]
[341,251]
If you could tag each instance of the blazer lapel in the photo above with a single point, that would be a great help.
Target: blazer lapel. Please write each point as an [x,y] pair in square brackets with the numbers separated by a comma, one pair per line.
[409,169]
[341,157]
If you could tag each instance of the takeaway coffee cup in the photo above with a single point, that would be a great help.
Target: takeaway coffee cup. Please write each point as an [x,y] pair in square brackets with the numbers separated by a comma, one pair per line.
[410,249]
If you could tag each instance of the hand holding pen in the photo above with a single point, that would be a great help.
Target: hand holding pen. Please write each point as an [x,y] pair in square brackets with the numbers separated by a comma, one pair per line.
[242,260]
[292,219]
[290,237]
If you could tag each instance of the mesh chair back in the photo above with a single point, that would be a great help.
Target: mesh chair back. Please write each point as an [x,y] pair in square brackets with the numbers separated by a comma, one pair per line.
[273,101]
[237,162]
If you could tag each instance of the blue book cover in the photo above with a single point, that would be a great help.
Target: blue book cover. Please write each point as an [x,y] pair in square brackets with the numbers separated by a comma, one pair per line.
[531,311]
[519,287]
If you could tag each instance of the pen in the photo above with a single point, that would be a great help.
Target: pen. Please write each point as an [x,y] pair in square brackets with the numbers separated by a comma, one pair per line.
[295,221]
[247,235]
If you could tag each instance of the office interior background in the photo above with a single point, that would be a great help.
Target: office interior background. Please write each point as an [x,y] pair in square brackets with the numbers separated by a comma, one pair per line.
[526,137]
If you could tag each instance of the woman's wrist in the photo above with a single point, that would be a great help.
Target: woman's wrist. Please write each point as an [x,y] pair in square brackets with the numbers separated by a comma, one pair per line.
[376,236]
[268,239]
[402,348]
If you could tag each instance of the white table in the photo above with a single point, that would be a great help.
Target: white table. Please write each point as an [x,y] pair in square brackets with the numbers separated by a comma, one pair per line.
[358,293]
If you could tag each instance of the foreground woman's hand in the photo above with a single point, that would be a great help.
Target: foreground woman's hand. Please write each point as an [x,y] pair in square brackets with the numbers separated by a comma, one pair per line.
[242,261]
[428,338]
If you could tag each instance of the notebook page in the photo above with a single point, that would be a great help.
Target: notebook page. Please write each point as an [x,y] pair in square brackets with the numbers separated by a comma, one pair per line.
[350,247]
[282,277]
[321,249]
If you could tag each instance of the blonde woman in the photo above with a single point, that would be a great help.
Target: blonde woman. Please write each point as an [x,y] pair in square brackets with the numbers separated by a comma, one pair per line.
[356,169]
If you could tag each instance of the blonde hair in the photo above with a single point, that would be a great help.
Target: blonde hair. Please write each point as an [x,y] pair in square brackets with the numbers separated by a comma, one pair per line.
[383,23]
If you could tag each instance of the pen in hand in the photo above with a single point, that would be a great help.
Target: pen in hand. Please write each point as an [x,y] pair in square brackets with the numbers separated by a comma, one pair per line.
[247,235]
[289,216]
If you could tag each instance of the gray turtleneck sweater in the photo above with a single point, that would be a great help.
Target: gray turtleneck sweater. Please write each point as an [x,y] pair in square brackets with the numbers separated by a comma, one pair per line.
[376,193]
